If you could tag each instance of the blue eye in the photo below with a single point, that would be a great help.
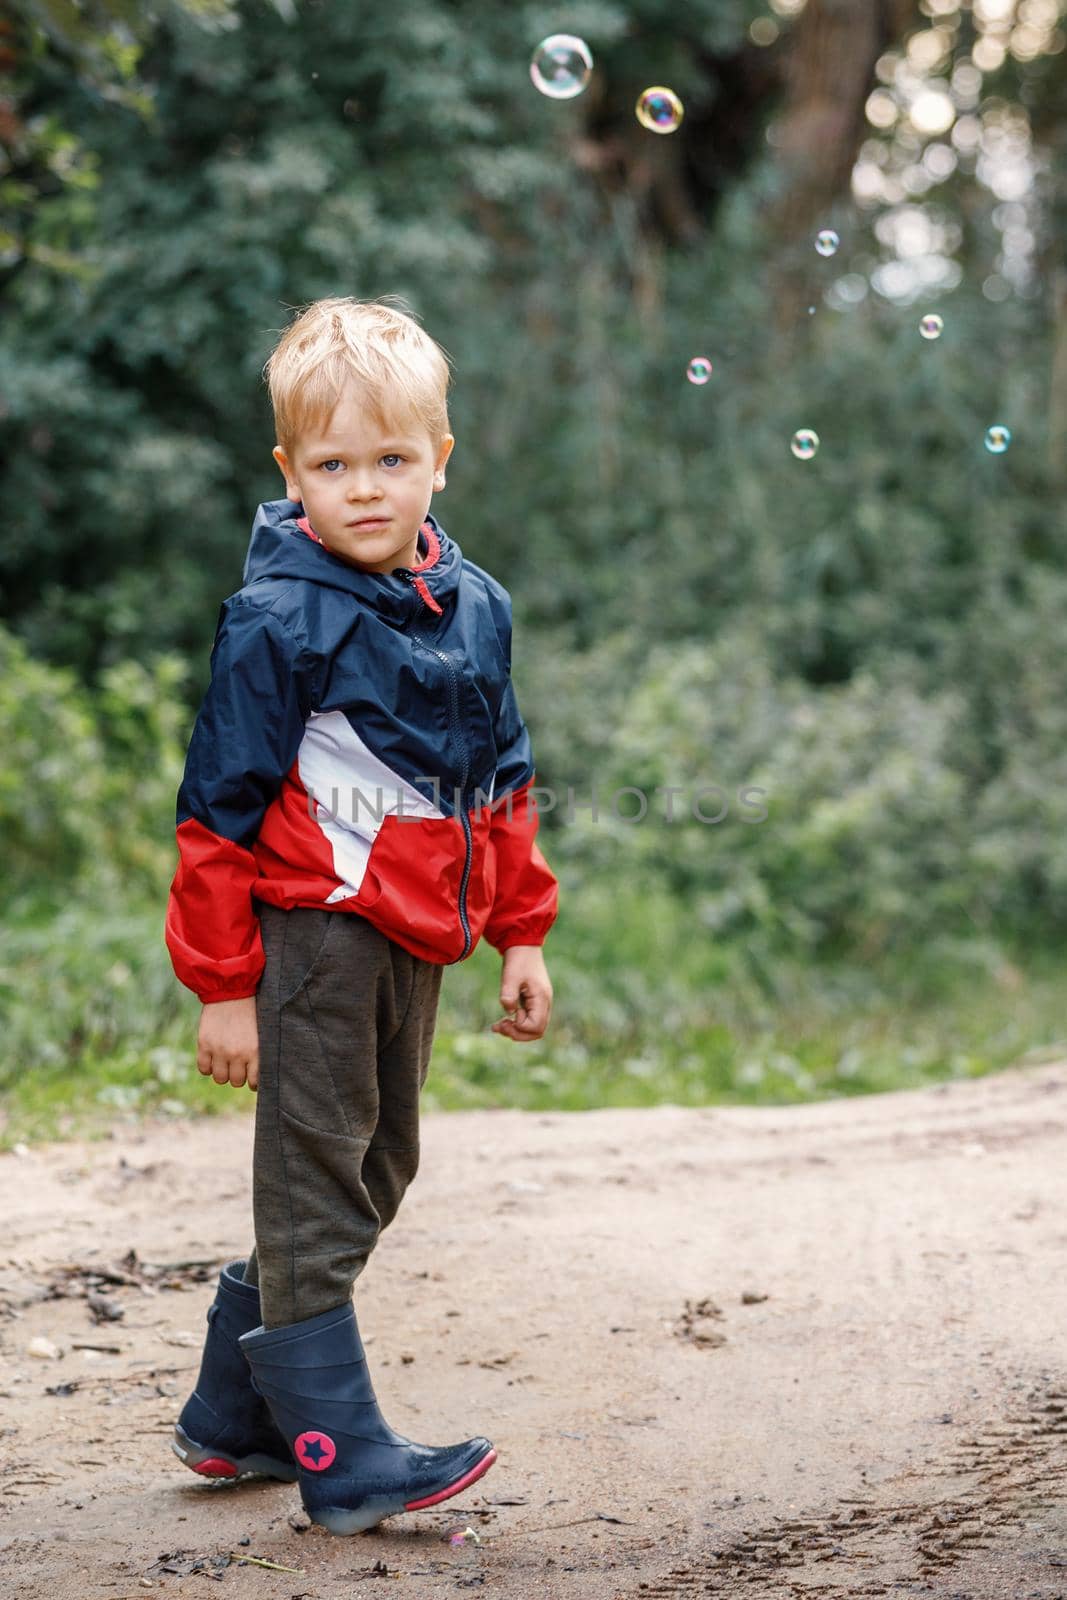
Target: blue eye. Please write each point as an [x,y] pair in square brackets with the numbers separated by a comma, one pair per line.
[332,461]
[392,455]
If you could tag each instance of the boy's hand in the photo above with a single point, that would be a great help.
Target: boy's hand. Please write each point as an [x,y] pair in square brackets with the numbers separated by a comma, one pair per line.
[525,988]
[227,1045]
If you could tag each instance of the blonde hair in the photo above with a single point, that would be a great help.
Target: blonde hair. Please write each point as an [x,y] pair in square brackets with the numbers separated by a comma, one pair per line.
[398,366]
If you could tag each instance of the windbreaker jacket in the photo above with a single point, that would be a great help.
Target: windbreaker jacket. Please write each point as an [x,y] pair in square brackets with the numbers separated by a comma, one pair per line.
[359,749]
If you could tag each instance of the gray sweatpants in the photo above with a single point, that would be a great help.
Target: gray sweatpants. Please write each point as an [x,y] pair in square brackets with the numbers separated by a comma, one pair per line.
[346,1019]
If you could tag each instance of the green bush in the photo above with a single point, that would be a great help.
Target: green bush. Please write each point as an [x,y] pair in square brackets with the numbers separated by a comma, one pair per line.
[88,782]
[885,825]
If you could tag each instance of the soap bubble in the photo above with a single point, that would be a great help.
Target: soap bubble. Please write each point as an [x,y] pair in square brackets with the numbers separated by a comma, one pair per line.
[997,439]
[659,110]
[804,444]
[931,325]
[698,370]
[826,242]
[561,66]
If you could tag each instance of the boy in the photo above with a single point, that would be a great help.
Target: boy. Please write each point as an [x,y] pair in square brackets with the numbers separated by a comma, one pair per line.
[354,815]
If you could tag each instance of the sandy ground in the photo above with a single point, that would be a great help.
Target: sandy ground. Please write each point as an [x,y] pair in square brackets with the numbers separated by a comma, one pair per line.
[817,1351]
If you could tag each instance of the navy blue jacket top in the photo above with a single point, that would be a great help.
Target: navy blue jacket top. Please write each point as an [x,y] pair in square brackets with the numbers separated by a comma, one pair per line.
[359,748]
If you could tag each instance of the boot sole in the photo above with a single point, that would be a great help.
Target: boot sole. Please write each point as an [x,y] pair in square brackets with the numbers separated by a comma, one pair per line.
[210,1464]
[346,1519]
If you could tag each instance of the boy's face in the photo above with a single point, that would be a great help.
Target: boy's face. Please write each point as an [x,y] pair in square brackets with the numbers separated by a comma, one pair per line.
[352,468]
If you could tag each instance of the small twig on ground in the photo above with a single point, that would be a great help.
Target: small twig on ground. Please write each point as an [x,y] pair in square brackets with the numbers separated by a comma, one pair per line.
[550,1527]
[235,1555]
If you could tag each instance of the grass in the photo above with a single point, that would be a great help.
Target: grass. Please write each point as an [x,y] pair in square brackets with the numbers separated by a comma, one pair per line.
[96,1030]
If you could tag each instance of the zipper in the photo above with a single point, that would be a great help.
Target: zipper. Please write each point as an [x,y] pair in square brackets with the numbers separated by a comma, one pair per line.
[461,744]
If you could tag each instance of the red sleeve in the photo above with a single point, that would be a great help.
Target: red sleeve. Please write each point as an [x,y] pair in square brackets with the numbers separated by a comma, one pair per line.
[212,932]
[245,739]
[527,891]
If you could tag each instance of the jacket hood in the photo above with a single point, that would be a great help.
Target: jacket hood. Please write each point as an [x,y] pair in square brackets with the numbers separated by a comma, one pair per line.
[282,546]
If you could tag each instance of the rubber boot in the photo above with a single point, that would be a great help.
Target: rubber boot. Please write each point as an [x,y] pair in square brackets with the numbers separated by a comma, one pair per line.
[225,1427]
[353,1469]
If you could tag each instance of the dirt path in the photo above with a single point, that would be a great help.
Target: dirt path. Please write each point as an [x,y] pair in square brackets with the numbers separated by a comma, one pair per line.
[819,1351]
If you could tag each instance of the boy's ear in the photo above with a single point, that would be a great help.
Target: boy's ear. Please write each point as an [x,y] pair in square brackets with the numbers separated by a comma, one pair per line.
[443,454]
[286,471]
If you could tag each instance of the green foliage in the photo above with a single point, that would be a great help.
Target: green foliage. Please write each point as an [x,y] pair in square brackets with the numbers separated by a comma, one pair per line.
[89,987]
[88,783]
[281,162]
[902,805]
[804,819]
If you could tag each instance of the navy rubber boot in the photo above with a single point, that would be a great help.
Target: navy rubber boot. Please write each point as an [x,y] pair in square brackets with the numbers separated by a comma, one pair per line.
[353,1469]
[225,1427]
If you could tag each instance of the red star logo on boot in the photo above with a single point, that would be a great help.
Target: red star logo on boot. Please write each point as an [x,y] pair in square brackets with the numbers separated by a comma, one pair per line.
[315,1451]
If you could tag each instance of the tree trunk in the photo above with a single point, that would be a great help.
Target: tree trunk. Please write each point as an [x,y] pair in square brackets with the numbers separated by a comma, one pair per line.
[1057,401]
[833,48]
